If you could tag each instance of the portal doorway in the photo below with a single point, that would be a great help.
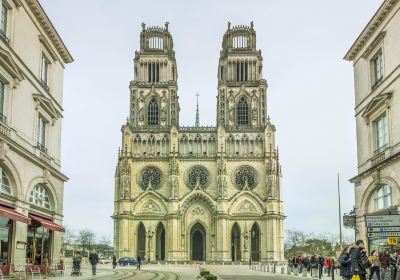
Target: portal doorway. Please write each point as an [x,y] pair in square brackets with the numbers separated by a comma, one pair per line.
[255,243]
[160,242]
[198,242]
[141,241]
[235,243]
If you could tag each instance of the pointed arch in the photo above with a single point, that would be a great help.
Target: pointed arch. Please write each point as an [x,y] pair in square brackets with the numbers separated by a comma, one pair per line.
[235,242]
[242,112]
[160,242]
[153,112]
[141,240]
[255,235]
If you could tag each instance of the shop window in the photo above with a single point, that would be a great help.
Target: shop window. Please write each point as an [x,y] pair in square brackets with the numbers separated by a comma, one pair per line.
[38,244]
[40,197]
[5,235]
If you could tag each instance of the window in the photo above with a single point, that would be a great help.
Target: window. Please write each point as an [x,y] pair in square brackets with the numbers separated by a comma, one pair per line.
[153,112]
[2,89]
[242,71]
[154,72]
[381,133]
[377,67]
[41,134]
[3,20]
[384,197]
[242,112]
[5,182]
[44,71]
[40,197]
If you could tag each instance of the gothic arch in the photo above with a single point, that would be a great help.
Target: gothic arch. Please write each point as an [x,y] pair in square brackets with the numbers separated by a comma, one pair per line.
[235,235]
[198,195]
[153,102]
[160,234]
[140,239]
[144,206]
[373,186]
[246,204]
[255,244]
[243,108]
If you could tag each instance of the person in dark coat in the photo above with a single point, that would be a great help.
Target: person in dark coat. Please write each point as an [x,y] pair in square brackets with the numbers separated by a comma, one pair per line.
[393,266]
[345,264]
[357,254]
[94,260]
[139,260]
[385,263]
[114,262]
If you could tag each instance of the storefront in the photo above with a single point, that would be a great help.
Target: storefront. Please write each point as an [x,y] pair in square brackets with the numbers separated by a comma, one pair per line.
[8,216]
[40,239]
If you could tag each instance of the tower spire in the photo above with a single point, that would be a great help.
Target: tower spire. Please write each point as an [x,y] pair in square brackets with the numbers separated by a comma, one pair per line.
[197,111]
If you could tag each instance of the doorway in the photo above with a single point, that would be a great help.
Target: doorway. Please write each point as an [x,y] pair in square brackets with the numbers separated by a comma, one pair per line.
[141,241]
[160,242]
[198,242]
[235,243]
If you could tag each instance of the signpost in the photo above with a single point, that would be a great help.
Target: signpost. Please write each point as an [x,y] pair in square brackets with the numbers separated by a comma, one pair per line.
[384,227]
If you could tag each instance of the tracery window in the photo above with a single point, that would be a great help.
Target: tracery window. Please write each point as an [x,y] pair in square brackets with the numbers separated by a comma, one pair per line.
[242,112]
[150,176]
[153,112]
[40,197]
[245,176]
[197,175]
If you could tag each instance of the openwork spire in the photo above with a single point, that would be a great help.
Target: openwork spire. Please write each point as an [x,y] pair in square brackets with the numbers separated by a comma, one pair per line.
[197,111]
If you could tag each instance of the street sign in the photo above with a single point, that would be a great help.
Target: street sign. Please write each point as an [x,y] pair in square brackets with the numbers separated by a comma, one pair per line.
[380,229]
[383,221]
[383,234]
[392,240]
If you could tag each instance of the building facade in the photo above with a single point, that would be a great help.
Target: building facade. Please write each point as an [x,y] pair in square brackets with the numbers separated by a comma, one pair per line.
[376,60]
[198,193]
[32,61]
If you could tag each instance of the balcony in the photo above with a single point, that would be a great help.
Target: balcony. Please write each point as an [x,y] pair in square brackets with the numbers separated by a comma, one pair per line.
[4,129]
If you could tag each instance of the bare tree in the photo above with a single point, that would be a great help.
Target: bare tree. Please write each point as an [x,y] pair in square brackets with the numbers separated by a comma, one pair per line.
[68,238]
[296,241]
[86,239]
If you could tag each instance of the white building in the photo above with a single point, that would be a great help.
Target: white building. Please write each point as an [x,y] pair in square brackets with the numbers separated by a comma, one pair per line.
[376,59]
[32,62]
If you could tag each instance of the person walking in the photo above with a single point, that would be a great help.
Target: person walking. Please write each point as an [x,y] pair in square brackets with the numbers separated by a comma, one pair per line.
[393,265]
[345,264]
[375,265]
[385,263]
[328,265]
[357,256]
[139,260]
[114,262]
[94,260]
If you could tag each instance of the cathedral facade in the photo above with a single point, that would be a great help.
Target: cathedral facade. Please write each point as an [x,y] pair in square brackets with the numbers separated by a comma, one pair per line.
[198,193]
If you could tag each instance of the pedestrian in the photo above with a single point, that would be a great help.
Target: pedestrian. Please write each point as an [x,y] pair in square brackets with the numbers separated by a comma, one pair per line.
[375,265]
[114,262]
[94,260]
[345,264]
[329,265]
[393,265]
[320,262]
[139,260]
[359,260]
[385,263]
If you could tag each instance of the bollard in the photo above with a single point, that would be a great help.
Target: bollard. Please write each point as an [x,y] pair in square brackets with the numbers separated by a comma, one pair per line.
[289,271]
[304,273]
[274,268]
[319,271]
[333,272]
[223,263]
[282,270]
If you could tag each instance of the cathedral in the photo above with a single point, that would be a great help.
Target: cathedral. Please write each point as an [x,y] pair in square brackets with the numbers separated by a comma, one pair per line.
[198,193]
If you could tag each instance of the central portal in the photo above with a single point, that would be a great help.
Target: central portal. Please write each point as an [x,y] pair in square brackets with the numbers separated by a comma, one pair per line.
[198,242]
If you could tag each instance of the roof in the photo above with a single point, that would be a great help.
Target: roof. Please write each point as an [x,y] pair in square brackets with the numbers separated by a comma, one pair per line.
[370,28]
[50,30]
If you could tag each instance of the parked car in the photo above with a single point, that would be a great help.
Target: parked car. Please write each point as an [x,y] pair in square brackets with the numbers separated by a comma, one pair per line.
[127,261]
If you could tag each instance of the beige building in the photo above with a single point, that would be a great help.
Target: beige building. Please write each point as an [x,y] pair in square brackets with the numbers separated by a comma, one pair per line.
[32,61]
[198,193]
[376,60]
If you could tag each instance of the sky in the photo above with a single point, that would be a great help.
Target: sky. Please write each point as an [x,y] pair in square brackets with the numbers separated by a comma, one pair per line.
[310,93]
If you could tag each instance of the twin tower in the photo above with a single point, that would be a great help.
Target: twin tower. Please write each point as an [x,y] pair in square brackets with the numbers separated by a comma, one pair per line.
[198,193]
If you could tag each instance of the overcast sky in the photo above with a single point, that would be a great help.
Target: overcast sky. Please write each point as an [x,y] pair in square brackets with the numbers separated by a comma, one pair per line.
[310,93]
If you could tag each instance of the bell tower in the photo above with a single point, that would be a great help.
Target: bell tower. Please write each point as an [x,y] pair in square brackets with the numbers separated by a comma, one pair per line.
[153,91]
[241,87]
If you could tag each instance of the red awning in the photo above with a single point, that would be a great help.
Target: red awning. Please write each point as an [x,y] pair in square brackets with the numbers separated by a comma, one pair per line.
[48,223]
[13,215]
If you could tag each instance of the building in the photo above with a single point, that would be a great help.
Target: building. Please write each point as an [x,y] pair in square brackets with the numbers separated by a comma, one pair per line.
[198,193]
[376,60]
[32,62]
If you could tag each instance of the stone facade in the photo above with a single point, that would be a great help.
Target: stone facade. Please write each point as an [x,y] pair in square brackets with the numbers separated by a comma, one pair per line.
[198,193]
[32,62]
[376,60]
